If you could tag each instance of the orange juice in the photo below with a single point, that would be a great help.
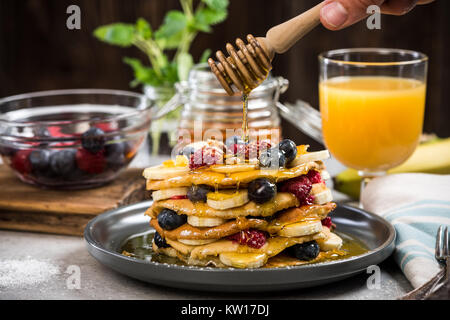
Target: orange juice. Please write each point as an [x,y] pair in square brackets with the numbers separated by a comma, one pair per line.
[372,123]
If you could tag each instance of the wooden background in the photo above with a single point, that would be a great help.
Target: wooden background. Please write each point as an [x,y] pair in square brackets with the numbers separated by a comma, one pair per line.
[38,52]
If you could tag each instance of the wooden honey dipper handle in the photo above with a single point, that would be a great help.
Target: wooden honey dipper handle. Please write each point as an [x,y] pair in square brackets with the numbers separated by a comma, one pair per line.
[282,37]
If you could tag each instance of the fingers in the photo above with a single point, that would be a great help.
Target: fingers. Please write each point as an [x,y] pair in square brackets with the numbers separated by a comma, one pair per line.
[339,14]
[398,7]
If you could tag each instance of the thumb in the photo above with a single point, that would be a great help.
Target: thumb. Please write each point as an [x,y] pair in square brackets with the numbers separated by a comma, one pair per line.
[338,14]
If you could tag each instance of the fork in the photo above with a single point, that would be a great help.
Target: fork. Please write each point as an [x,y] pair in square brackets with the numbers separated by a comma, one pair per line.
[442,251]
[442,255]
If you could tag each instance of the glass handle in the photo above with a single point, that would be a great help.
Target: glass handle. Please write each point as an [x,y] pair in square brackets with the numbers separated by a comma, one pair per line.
[303,117]
[175,102]
[282,86]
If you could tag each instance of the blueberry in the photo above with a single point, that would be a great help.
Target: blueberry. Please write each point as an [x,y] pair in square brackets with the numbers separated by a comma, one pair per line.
[40,160]
[93,140]
[306,251]
[160,241]
[233,140]
[261,190]
[289,149]
[113,149]
[198,192]
[186,151]
[272,158]
[115,154]
[63,163]
[169,219]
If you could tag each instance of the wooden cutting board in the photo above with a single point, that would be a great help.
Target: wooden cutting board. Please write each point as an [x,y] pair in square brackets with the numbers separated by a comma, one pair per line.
[28,208]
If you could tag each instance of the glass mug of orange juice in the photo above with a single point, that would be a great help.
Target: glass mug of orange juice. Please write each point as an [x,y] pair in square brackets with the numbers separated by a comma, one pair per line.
[372,104]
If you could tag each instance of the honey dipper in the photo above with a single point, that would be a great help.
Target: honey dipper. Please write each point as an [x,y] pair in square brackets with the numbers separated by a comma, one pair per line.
[249,66]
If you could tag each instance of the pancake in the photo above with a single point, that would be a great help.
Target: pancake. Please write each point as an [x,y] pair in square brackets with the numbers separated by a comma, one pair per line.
[222,180]
[277,257]
[170,252]
[187,231]
[281,260]
[282,200]
[272,247]
[248,228]
[293,215]
[285,260]
[299,214]
[207,262]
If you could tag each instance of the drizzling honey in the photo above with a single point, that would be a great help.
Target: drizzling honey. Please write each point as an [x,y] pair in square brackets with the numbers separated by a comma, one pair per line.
[245,136]
[248,87]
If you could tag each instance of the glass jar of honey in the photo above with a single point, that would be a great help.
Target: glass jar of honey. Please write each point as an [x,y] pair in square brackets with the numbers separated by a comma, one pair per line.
[209,111]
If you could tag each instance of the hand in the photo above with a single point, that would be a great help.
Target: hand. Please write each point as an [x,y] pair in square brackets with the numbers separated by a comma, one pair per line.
[339,14]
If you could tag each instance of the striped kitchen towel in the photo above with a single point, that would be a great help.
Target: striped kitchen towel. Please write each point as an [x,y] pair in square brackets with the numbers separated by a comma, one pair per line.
[416,204]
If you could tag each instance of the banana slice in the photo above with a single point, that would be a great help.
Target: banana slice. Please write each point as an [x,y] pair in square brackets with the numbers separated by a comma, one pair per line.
[300,229]
[323,197]
[325,175]
[198,145]
[309,157]
[196,242]
[243,260]
[181,161]
[332,242]
[205,221]
[161,172]
[318,188]
[227,199]
[169,193]
[235,167]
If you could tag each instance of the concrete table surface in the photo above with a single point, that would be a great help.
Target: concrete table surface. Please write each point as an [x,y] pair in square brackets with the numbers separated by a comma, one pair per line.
[99,282]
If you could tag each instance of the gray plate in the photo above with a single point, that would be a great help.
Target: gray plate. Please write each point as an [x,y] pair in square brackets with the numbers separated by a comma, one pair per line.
[107,232]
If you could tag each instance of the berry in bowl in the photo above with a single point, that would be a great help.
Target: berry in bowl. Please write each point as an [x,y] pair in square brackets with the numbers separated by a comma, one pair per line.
[72,139]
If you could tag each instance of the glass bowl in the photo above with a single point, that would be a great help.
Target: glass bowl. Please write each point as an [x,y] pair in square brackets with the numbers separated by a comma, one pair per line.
[72,139]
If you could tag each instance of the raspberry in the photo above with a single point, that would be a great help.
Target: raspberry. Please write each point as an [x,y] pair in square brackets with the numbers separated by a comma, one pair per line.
[300,187]
[104,126]
[239,149]
[255,149]
[314,176]
[264,145]
[205,157]
[55,131]
[309,200]
[20,161]
[178,197]
[327,222]
[251,150]
[90,162]
[250,237]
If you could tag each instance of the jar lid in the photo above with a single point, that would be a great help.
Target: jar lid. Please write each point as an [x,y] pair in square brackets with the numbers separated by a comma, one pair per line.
[201,78]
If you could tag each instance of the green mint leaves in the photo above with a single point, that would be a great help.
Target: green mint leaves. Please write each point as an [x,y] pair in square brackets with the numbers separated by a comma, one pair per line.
[119,34]
[177,32]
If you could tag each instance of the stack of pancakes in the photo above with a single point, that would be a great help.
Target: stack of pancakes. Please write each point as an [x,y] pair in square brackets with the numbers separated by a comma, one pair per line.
[211,231]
